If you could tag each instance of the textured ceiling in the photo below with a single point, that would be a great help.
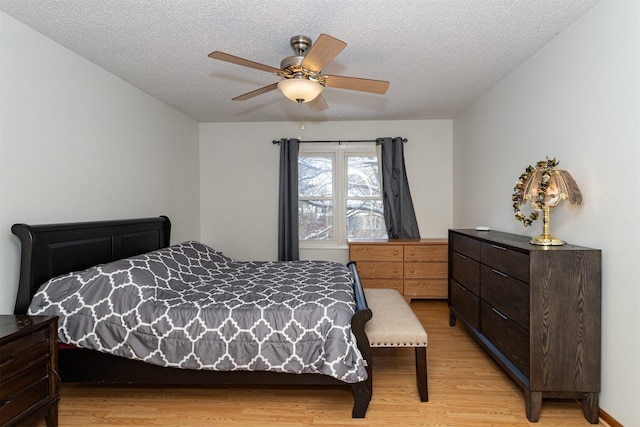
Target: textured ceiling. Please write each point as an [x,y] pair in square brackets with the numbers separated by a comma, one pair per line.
[439,55]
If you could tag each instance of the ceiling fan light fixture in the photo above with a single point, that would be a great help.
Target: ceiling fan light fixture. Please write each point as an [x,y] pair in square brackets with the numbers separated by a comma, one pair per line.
[300,89]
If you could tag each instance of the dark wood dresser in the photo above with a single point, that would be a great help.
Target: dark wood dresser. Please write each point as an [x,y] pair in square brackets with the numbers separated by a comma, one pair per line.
[534,309]
[28,366]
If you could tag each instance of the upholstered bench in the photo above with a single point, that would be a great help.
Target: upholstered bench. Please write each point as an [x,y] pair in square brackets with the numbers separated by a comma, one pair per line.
[395,325]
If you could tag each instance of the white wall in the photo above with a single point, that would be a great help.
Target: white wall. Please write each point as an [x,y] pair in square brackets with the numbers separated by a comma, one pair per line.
[239,179]
[577,100]
[78,144]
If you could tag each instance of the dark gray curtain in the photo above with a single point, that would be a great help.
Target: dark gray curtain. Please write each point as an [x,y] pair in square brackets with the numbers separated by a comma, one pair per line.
[288,248]
[399,214]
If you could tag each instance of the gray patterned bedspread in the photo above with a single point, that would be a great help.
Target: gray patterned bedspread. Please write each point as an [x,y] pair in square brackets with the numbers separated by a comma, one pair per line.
[189,306]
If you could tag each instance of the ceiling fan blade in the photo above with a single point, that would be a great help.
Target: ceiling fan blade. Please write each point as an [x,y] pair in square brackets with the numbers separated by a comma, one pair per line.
[354,83]
[244,62]
[256,92]
[317,104]
[322,52]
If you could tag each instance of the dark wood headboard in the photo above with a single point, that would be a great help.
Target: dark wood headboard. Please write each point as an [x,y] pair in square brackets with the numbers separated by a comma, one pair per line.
[54,249]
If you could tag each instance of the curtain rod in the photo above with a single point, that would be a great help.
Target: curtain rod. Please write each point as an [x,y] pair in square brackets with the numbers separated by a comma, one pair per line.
[275,141]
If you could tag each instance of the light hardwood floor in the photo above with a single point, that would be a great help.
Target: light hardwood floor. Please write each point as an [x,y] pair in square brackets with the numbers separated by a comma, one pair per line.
[466,388]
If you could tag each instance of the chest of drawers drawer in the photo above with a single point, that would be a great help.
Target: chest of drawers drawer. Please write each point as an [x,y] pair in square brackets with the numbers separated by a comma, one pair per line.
[376,252]
[425,270]
[425,253]
[380,270]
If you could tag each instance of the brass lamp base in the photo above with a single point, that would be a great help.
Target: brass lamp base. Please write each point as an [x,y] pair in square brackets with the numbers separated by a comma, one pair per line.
[546,240]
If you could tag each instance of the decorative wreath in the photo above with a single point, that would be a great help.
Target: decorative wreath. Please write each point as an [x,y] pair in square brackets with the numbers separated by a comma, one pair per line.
[546,166]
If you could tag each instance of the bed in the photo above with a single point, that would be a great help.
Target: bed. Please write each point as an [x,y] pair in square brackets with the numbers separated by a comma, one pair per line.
[58,250]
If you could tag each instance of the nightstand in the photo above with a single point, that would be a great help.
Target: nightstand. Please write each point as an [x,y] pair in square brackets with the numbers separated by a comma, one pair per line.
[28,366]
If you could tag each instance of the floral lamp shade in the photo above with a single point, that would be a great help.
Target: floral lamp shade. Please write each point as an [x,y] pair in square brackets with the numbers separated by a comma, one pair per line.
[544,186]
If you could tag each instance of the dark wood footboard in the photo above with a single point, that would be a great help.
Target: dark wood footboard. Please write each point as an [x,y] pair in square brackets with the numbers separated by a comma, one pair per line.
[362,392]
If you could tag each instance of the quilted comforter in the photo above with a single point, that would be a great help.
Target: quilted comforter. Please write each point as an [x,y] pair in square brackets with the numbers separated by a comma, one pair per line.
[188,306]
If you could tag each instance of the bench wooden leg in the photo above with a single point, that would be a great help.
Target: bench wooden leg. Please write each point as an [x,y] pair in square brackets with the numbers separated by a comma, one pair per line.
[421,373]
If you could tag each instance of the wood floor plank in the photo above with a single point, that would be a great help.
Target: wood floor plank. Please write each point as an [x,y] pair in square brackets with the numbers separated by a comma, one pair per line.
[466,388]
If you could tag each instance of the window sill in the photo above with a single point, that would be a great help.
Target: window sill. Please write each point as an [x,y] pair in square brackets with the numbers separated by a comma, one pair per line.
[323,246]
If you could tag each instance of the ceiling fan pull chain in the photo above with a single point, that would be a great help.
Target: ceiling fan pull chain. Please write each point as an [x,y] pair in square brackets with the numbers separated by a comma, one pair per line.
[300,119]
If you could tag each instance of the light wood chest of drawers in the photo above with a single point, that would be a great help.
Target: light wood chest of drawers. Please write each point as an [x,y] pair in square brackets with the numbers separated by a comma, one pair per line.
[417,268]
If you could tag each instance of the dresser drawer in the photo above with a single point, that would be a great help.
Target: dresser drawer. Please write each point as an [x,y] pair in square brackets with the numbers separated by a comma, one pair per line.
[466,271]
[425,270]
[426,288]
[509,295]
[465,246]
[373,252]
[509,337]
[466,303]
[384,284]
[380,270]
[432,252]
[512,263]
[30,347]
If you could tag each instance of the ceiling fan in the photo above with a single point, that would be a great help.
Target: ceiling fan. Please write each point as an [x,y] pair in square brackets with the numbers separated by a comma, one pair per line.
[302,77]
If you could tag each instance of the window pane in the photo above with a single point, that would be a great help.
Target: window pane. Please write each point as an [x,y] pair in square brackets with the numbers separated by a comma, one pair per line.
[315,220]
[365,219]
[315,176]
[363,179]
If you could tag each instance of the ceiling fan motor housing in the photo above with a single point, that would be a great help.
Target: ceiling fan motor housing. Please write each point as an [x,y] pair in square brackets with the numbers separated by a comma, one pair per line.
[300,45]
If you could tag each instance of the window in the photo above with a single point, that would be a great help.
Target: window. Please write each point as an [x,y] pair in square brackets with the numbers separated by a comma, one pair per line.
[339,194]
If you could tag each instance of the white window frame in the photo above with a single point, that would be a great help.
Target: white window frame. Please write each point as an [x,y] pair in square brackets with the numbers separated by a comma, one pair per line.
[339,152]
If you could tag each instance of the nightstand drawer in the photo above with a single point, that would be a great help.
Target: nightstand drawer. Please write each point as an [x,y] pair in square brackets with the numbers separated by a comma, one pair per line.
[28,362]
[23,400]
[30,347]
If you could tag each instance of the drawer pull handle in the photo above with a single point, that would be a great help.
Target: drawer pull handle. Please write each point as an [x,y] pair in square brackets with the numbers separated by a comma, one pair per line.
[395,252]
[499,247]
[499,272]
[8,360]
[412,271]
[462,256]
[395,270]
[412,253]
[499,314]
[461,287]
